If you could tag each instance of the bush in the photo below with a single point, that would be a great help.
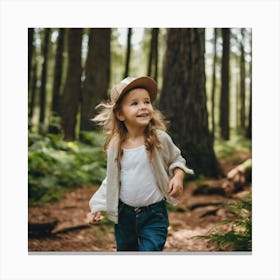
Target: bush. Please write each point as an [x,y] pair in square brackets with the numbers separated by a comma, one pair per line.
[226,149]
[55,166]
[239,237]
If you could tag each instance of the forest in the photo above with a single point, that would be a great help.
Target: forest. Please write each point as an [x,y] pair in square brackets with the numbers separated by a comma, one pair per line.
[204,78]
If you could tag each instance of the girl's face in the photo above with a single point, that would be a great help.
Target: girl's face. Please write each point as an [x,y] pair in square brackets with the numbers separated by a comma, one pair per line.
[136,109]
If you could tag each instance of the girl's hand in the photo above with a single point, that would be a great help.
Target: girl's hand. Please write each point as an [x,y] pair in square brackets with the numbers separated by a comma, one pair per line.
[94,218]
[175,187]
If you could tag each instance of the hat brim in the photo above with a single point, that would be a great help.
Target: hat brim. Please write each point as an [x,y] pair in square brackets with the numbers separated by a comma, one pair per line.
[143,82]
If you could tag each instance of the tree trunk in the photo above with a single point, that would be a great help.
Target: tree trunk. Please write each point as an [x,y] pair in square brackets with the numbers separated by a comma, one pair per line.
[214,82]
[237,106]
[56,96]
[30,53]
[128,51]
[242,84]
[58,73]
[72,88]
[224,101]
[44,81]
[97,74]
[183,98]
[153,55]
[33,92]
[249,127]
[155,76]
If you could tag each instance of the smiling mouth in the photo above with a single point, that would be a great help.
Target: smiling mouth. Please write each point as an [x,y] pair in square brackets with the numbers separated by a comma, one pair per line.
[143,115]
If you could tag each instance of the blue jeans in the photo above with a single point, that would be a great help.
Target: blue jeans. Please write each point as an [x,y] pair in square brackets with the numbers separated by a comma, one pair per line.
[143,228]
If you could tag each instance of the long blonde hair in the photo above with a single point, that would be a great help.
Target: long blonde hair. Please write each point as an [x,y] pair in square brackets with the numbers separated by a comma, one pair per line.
[112,127]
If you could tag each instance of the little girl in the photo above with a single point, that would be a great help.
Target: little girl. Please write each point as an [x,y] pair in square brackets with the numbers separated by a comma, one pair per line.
[144,168]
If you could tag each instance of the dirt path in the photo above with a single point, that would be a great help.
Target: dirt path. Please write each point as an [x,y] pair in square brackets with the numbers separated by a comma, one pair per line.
[62,226]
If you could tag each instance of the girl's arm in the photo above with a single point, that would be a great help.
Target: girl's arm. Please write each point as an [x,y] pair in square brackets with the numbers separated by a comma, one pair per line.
[97,203]
[175,187]
[173,155]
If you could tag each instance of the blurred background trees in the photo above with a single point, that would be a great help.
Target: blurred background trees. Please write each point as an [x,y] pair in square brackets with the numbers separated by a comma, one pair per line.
[203,75]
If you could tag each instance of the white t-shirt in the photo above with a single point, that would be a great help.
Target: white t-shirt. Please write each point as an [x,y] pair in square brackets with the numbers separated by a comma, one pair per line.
[138,184]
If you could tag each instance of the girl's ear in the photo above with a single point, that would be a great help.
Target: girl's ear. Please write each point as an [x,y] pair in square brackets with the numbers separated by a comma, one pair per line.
[120,116]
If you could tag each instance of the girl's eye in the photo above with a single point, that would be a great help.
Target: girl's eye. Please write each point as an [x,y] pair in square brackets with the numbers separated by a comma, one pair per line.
[134,103]
[147,102]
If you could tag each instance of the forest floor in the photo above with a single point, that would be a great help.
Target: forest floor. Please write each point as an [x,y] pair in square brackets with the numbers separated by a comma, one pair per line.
[62,226]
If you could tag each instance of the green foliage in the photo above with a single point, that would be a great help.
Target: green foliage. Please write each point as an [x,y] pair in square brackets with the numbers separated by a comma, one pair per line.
[173,208]
[239,237]
[226,149]
[55,166]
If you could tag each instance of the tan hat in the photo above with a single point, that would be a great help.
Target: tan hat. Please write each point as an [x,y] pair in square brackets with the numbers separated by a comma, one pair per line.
[130,83]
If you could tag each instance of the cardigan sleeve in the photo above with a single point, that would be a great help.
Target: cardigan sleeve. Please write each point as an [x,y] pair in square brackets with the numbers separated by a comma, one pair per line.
[173,155]
[98,200]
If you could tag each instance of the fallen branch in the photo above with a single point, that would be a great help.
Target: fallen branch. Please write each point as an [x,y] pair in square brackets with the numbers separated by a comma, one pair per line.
[67,229]
[238,177]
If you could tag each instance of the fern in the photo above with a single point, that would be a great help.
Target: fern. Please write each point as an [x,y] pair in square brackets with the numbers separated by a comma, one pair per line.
[55,166]
[239,237]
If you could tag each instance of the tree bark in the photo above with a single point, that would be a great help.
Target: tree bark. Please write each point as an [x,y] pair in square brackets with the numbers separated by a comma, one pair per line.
[153,55]
[72,88]
[128,52]
[214,82]
[237,105]
[56,96]
[58,73]
[249,127]
[242,84]
[32,93]
[183,98]
[44,81]
[30,53]
[97,74]
[224,101]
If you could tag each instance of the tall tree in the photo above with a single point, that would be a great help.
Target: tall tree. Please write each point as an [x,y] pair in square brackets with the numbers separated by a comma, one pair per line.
[242,83]
[153,55]
[249,126]
[32,93]
[30,52]
[128,52]
[213,89]
[224,101]
[56,96]
[183,98]
[72,87]
[97,75]
[44,80]
[237,97]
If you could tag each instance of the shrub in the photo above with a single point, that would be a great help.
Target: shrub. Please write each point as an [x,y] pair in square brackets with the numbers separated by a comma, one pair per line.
[55,166]
[239,237]
[227,149]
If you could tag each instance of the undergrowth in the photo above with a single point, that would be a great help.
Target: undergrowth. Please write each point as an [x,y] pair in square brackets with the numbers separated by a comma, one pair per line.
[226,149]
[55,165]
[234,234]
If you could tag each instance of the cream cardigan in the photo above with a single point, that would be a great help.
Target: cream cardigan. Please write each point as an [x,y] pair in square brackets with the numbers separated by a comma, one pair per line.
[164,160]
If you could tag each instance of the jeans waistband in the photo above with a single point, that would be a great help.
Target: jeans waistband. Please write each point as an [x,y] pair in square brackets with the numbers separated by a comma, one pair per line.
[155,205]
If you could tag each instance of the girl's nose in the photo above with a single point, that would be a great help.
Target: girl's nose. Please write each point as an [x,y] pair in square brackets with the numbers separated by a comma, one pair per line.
[142,105]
